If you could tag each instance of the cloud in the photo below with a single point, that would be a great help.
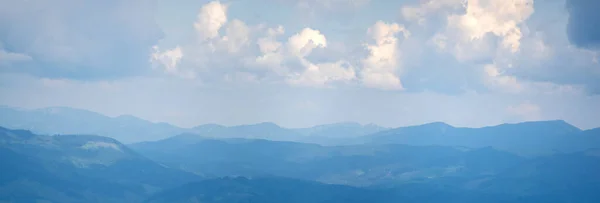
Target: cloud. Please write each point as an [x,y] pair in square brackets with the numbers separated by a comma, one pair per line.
[211,18]
[269,43]
[547,54]
[80,39]
[302,43]
[218,46]
[304,58]
[584,23]
[507,46]
[217,33]
[499,81]
[306,62]
[169,60]
[153,98]
[501,18]
[422,12]
[10,57]
[381,67]
[236,36]
[482,31]
[322,74]
[232,51]
[290,60]
[450,46]
[469,45]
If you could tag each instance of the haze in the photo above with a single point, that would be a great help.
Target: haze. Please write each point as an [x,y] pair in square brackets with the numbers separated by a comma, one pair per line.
[300,101]
[300,63]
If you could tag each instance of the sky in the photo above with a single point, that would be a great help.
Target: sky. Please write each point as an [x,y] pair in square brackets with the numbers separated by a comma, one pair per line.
[299,63]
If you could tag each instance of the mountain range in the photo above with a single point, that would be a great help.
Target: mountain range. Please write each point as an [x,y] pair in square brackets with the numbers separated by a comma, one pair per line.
[130,129]
[522,138]
[64,120]
[70,155]
[357,165]
[527,138]
[191,168]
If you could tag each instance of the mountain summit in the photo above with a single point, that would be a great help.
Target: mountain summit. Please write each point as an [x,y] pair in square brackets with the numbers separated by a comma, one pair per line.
[523,138]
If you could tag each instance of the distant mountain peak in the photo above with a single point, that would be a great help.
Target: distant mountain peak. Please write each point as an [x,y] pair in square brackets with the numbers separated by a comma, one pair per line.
[67,120]
[128,117]
[265,124]
[340,124]
[440,125]
[348,123]
[372,125]
[554,124]
[6,107]
[594,129]
[209,126]
[592,132]
[64,109]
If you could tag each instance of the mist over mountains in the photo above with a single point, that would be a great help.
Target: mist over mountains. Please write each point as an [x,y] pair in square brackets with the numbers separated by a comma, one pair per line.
[130,129]
[521,138]
[70,155]
[238,101]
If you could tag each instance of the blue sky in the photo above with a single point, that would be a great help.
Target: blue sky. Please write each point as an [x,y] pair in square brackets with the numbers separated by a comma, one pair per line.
[306,62]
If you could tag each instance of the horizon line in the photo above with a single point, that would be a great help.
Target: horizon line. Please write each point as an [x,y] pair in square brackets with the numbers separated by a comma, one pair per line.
[281,126]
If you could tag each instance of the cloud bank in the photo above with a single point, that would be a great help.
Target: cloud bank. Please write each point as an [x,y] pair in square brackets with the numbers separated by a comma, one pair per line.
[516,51]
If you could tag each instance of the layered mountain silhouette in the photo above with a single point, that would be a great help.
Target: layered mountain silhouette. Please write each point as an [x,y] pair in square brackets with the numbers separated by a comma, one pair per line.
[528,138]
[559,178]
[191,168]
[70,155]
[77,168]
[64,120]
[353,165]
[130,129]
[289,190]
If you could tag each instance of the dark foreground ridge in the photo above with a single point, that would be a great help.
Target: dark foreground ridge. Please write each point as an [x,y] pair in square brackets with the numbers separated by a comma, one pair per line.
[190,168]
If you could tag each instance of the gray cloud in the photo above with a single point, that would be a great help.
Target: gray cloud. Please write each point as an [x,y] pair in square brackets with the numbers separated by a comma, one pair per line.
[548,54]
[80,39]
[584,23]
[8,57]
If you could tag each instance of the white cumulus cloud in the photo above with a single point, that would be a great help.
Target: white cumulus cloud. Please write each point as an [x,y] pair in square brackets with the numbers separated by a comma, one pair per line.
[501,18]
[380,68]
[302,43]
[236,36]
[321,75]
[496,80]
[169,61]
[211,18]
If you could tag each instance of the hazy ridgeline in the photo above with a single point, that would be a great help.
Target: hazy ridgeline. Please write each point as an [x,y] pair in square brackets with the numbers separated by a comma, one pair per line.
[300,101]
[76,156]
